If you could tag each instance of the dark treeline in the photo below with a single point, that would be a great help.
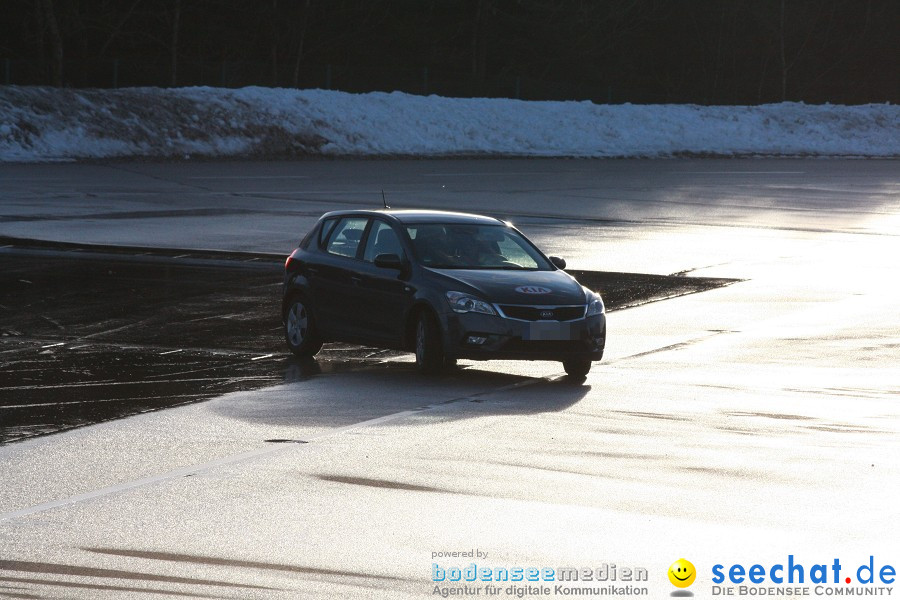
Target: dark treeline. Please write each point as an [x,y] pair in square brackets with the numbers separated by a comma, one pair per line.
[699,51]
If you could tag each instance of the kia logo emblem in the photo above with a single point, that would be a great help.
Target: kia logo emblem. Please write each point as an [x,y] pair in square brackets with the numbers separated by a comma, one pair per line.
[532,289]
[546,314]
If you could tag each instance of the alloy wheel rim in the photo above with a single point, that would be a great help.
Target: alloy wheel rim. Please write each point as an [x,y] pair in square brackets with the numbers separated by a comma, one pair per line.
[298,324]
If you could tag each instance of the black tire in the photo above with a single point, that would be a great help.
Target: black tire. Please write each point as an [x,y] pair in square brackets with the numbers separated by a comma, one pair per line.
[300,328]
[577,368]
[429,351]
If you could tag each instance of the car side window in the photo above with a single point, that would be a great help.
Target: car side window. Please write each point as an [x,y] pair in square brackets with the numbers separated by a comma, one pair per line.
[344,239]
[325,231]
[382,240]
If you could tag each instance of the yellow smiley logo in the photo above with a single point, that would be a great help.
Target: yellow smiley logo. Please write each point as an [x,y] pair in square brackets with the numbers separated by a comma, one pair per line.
[682,573]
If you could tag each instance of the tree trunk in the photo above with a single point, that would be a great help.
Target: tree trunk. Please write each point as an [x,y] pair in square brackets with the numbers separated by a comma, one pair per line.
[784,67]
[479,41]
[295,80]
[56,42]
[176,24]
[273,42]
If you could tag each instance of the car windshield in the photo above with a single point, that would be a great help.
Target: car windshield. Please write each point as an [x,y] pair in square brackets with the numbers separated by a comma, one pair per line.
[469,246]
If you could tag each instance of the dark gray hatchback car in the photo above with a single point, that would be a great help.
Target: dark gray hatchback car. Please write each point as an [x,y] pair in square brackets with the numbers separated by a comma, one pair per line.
[444,285]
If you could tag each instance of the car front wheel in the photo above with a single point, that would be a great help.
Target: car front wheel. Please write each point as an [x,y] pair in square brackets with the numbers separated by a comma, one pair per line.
[300,329]
[429,353]
[577,368]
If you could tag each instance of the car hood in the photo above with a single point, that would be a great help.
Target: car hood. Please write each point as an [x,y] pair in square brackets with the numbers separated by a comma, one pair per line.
[514,287]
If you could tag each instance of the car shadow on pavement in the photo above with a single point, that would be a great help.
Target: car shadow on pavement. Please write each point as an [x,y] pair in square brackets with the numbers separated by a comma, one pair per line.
[338,394]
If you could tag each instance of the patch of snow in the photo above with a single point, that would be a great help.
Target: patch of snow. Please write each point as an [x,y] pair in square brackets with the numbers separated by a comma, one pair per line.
[40,124]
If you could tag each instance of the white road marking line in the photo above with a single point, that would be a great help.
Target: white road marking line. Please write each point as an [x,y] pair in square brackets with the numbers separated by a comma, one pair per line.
[741,172]
[301,192]
[517,173]
[116,329]
[53,345]
[262,357]
[171,351]
[89,384]
[243,457]
[124,487]
[89,402]
[251,177]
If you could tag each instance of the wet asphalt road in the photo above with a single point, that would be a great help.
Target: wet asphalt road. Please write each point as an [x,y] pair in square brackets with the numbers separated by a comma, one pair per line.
[87,336]
[737,425]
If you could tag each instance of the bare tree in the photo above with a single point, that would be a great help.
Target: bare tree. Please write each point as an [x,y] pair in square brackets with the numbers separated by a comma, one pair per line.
[810,17]
[784,66]
[176,26]
[479,39]
[301,41]
[56,41]
[274,22]
[117,28]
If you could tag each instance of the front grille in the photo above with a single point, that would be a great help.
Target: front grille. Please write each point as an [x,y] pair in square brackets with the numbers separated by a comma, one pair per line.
[534,313]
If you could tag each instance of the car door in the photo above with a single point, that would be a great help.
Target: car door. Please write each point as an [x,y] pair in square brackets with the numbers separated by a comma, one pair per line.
[385,294]
[335,283]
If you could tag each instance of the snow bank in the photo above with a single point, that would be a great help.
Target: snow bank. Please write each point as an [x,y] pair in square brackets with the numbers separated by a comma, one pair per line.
[38,124]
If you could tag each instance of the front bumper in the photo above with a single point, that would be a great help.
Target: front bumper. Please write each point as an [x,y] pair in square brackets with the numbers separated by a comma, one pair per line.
[505,338]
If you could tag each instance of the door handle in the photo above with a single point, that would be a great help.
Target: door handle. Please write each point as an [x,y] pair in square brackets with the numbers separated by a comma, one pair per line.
[356,280]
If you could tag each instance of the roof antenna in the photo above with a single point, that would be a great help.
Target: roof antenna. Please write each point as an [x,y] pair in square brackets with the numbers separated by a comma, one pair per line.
[383,201]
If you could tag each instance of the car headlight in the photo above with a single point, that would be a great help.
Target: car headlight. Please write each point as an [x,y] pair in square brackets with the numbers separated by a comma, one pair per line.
[595,304]
[463,303]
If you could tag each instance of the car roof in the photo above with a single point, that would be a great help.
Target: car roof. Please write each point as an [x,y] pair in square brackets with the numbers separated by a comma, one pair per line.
[410,217]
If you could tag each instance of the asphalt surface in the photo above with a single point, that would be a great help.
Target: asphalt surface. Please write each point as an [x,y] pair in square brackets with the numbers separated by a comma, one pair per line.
[738,425]
[90,334]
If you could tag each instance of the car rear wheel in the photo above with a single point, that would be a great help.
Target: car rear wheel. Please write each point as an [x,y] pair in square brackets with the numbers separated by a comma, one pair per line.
[429,353]
[577,368]
[300,328]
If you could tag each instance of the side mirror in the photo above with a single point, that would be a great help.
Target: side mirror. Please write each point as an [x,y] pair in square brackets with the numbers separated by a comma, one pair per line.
[389,261]
[559,263]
